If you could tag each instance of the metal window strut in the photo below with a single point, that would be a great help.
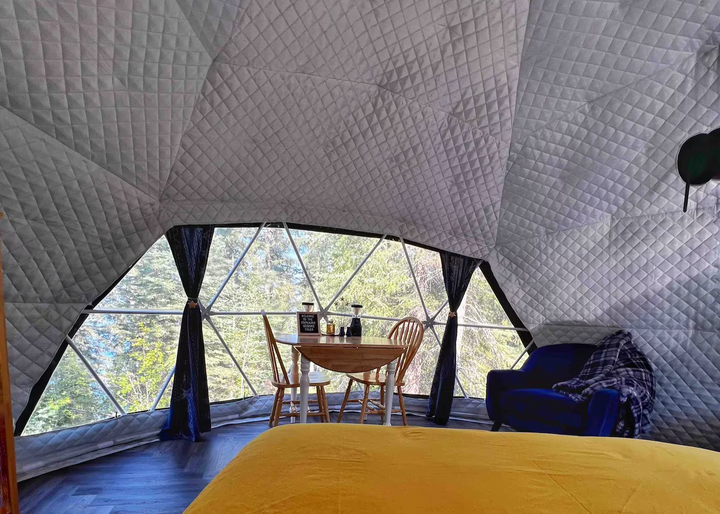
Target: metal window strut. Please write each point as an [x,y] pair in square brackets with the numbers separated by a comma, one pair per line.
[156,312]
[164,387]
[457,378]
[354,273]
[233,269]
[430,320]
[97,378]
[302,265]
[415,280]
[227,349]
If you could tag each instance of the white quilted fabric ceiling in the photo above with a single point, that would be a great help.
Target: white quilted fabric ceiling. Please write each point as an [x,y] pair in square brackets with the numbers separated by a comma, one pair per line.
[540,135]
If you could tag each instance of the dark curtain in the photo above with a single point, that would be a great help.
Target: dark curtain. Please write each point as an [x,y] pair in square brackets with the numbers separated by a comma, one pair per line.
[190,403]
[457,272]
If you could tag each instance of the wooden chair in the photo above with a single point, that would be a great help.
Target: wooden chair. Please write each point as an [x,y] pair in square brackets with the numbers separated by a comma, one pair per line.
[408,330]
[281,380]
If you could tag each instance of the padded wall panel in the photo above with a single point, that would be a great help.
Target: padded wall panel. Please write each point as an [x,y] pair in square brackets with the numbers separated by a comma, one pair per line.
[213,21]
[614,156]
[114,80]
[459,56]
[69,229]
[687,367]
[664,271]
[272,139]
[34,333]
[387,117]
[591,235]
[436,120]
[578,51]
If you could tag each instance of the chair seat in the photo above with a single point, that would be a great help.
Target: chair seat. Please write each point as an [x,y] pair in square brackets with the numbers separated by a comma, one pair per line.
[542,410]
[317,378]
[368,378]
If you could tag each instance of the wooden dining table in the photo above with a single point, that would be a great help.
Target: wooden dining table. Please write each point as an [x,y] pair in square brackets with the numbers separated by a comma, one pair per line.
[343,354]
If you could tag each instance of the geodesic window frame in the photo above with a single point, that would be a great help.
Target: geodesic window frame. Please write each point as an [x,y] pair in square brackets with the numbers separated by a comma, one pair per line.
[429,315]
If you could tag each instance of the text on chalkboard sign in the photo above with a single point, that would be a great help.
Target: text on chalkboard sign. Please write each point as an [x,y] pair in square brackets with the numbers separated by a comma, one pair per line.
[308,323]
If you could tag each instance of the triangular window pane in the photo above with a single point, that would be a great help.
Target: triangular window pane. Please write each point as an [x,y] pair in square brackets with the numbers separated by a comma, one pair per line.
[246,338]
[227,246]
[330,258]
[480,350]
[153,283]
[428,271]
[481,306]
[133,354]
[419,376]
[383,286]
[72,398]
[164,402]
[269,278]
[224,379]
[442,316]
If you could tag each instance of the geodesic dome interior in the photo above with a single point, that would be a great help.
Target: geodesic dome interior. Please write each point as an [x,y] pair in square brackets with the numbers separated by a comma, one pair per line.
[540,136]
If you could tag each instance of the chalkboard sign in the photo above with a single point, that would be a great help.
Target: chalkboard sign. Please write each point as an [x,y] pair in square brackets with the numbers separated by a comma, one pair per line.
[308,323]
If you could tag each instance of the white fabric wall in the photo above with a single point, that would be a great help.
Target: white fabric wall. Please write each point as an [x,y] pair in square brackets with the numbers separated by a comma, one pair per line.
[591,234]
[541,136]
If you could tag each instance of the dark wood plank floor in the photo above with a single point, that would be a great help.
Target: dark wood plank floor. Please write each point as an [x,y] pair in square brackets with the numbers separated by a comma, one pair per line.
[157,478]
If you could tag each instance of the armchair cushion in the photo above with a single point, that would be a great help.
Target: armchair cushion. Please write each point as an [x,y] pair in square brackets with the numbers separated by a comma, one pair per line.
[498,382]
[524,399]
[602,413]
[549,365]
[542,410]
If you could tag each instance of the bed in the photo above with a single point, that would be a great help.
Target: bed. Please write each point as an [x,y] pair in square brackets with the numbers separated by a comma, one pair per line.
[373,469]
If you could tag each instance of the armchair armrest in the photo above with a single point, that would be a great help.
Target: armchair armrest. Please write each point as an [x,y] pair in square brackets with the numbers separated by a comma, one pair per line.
[602,413]
[499,381]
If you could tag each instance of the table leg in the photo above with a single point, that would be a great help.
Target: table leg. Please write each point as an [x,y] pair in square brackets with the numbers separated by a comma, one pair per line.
[389,388]
[304,388]
[294,376]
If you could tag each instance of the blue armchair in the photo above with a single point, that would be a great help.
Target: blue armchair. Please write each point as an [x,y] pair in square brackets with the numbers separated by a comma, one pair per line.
[524,399]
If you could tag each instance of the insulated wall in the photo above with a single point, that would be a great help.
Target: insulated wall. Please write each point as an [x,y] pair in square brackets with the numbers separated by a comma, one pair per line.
[541,135]
[591,234]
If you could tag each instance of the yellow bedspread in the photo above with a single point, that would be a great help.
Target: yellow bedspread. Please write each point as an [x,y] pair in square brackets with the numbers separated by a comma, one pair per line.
[374,469]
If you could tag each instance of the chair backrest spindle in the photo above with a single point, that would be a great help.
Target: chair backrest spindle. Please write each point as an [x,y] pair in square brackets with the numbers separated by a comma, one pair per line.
[276,361]
[409,331]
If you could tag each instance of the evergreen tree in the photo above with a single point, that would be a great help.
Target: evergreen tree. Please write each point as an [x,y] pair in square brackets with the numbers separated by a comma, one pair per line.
[134,354]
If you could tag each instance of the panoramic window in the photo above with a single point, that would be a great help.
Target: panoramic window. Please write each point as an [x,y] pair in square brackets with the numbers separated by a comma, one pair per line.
[122,358]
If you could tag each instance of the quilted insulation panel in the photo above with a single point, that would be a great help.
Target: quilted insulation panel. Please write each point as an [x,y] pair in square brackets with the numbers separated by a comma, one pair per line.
[539,135]
[591,233]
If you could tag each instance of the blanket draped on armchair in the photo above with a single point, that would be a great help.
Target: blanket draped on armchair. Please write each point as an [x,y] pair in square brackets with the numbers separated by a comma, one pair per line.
[617,364]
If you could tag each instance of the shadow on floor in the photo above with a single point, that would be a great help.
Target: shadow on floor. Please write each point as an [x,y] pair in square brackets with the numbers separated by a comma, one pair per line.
[157,478]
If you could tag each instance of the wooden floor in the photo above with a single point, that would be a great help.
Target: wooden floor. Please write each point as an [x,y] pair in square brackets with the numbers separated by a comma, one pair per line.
[157,478]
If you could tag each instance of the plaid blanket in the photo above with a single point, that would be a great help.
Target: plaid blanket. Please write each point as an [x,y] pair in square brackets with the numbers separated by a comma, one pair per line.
[617,364]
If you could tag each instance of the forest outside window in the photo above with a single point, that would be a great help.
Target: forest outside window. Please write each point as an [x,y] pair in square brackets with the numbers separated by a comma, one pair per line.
[122,358]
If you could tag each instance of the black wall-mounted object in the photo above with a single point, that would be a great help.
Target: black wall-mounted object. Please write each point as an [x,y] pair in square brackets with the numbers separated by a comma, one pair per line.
[698,161]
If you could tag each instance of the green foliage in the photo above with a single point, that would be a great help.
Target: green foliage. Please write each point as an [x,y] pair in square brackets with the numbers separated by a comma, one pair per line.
[71,398]
[134,354]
